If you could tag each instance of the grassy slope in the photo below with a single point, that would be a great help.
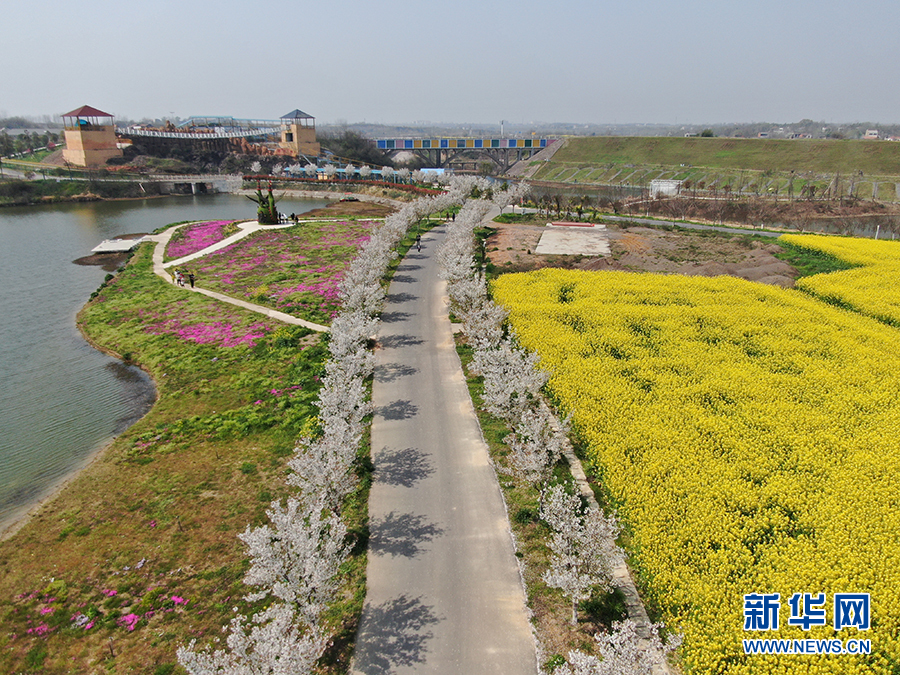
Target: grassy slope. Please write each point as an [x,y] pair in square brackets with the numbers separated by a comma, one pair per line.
[828,156]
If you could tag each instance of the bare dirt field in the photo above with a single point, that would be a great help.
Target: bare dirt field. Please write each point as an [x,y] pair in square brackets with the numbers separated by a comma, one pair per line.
[645,249]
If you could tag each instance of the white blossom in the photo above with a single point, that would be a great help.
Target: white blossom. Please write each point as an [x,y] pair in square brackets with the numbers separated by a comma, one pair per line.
[536,445]
[622,652]
[296,557]
[583,545]
[274,645]
[512,380]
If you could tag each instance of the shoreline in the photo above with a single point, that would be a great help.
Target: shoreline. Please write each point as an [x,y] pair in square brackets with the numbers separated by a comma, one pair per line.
[332,195]
[22,515]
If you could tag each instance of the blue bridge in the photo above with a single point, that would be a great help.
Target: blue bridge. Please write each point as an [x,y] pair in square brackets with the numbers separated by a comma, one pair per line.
[443,152]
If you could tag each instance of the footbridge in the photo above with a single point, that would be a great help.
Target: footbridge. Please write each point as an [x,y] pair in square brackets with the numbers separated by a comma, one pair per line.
[206,128]
[460,152]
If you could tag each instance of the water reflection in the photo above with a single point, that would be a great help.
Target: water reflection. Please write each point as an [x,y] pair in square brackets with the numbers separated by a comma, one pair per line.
[138,393]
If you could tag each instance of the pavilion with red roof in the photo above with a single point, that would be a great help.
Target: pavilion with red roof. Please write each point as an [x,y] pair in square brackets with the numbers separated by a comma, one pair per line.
[90,137]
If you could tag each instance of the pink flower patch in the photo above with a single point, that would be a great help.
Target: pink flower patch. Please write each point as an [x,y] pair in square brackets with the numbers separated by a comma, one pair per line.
[179,600]
[196,237]
[109,593]
[129,621]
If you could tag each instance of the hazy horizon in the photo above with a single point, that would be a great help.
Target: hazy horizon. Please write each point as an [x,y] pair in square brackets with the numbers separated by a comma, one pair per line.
[572,61]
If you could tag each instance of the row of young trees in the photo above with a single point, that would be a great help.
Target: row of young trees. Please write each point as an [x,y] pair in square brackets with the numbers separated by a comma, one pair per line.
[583,540]
[25,142]
[364,172]
[294,559]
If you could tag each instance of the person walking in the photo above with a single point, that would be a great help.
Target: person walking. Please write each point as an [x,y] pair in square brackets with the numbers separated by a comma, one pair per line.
[418,242]
[191,277]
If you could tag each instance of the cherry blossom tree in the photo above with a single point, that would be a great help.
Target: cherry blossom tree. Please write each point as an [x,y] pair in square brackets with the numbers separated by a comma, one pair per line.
[512,381]
[310,170]
[387,173]
[276,644]
[583,544]
[365,172]
[330,170]
[622,652]
[536,446]
[296,557]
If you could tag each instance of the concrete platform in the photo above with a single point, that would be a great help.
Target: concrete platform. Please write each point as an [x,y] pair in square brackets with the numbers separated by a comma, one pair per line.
[590,240]
[117,245]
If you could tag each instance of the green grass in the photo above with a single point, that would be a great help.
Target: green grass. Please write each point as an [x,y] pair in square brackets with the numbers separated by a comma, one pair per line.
[808,261]
[520,218]
[728,161]
[296,270]
[828,156]
[22,192]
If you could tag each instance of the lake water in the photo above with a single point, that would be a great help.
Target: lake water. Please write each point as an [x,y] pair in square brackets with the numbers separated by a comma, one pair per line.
[60,399]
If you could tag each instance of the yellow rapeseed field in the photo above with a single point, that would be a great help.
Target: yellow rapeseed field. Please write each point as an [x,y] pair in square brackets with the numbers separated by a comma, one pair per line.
[870,288]
[749,437]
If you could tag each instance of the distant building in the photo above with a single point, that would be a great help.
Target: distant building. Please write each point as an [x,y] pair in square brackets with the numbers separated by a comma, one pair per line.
[871,135]
[90,137]
[298,134]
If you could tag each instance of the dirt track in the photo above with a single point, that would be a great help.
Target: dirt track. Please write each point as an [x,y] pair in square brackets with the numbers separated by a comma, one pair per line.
[644,249]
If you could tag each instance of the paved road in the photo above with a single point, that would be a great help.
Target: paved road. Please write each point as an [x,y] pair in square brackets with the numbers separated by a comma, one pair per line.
[444,594]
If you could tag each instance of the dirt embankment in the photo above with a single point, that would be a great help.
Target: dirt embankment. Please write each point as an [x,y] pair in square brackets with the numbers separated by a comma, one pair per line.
[644,249]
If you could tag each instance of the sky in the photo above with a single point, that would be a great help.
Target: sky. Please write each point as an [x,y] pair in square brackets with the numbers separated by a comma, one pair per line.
[408,61]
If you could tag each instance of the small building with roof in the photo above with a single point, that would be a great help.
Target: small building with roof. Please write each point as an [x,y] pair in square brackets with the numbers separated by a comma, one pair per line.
[298,134]
[90,137]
